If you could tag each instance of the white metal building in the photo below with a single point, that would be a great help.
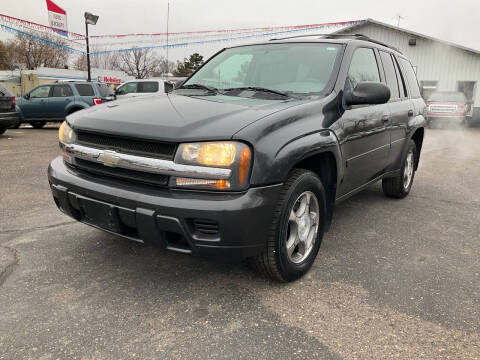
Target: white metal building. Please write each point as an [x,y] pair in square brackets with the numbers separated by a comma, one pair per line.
[440,65]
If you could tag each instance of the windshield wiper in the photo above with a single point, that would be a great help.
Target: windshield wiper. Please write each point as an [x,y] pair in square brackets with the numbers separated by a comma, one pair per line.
[260,89]
[199,86]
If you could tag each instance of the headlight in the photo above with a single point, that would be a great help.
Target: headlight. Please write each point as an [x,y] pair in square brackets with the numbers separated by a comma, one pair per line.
[223,154]
[65,133]
[66,136]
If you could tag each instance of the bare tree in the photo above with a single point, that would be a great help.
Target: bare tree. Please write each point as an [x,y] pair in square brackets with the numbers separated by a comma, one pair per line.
[141,63]
[6,55]
[80,63]
[105,60]
[164,69]
[33,53]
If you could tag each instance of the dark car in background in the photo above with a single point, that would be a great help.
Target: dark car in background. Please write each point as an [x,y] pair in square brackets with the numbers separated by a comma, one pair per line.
[447,108]
[53,102]
[8,116]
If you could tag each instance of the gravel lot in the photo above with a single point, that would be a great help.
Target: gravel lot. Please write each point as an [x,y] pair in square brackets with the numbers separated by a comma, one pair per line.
[393,279]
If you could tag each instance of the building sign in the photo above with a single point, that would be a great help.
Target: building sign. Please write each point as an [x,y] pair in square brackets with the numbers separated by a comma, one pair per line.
[109,79]
[57,17]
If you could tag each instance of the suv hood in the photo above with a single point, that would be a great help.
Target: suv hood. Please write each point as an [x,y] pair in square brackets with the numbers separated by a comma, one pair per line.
[177,117]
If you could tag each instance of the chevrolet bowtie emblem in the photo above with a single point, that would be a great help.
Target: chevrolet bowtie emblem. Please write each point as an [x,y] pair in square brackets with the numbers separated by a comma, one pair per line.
[109,158]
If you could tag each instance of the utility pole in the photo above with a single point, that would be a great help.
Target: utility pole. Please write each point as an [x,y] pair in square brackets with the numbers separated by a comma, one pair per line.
[168,20]
[399,17]
[88,52]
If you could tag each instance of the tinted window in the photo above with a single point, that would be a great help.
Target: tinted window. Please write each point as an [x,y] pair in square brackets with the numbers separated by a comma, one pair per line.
[390,74]
[5,92]
[84,89]
[401,79]
[363,67]
[61,91]
[148,87]
[411,78]
[40,92]
[105,90]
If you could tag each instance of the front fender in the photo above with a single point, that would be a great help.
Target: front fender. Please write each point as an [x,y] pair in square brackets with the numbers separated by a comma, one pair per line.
[300,148]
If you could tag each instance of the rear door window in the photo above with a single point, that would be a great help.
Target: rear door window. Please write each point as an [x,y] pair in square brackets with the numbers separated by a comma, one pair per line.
[147,87]
[411,78]
[84,89]
[390,74]
[362,68]
[61,91]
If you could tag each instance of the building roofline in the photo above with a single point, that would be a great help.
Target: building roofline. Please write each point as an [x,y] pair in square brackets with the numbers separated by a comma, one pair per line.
[431,38]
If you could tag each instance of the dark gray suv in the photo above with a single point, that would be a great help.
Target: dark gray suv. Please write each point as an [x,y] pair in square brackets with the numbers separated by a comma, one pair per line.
[248,157]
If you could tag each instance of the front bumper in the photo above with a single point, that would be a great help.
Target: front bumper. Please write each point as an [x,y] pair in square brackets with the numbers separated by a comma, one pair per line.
[221,225]
[9,119]
[446,118]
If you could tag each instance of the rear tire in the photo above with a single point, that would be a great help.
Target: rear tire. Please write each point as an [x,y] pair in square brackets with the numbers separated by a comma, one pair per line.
[2,131]
[400,185]
[37,124]
[296,230]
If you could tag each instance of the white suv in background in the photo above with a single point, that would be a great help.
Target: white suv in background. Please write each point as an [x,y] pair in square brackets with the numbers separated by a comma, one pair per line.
[142,87]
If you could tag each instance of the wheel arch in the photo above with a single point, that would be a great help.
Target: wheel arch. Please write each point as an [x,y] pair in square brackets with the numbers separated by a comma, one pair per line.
[73,108]
[417,138]
[324,165]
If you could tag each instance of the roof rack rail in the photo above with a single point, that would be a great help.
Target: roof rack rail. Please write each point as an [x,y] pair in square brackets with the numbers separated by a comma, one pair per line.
[339,36]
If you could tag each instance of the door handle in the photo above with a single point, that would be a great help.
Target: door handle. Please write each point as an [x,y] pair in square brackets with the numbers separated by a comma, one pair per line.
[385,118]
[410,113]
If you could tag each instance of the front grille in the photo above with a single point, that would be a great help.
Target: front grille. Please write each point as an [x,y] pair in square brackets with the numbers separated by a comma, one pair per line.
[161,150]
[119,173]
[443,108]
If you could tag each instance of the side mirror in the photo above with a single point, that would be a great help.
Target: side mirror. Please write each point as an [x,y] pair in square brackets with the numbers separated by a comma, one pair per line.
[26,96]
[178,84]
[167,86]
[368,92]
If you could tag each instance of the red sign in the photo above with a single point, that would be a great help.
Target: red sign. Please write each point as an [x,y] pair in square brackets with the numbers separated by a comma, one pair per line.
[109,79]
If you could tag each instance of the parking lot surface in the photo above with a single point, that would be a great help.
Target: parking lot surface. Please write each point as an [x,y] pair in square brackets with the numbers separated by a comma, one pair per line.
[393,279]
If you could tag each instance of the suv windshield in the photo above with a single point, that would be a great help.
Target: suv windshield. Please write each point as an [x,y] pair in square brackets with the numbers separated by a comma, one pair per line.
[298,68]
[451,97]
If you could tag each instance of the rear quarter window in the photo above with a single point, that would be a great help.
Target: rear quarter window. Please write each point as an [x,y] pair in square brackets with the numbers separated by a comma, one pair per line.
[84,89]
[411,78]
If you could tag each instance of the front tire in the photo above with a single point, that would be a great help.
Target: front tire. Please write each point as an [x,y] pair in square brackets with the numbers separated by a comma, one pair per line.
[37,124]
[297,228]
[400,185]
[2,131]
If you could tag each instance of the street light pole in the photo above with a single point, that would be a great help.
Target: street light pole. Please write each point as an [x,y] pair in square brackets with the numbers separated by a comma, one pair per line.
[92,20]
[88,51]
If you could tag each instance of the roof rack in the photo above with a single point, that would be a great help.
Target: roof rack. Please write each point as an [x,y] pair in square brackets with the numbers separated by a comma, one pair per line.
[339,36]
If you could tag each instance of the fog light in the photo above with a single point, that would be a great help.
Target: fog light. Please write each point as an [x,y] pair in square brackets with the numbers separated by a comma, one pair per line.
[215,184]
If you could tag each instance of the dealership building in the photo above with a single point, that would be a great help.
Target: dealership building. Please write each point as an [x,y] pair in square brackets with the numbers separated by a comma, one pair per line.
[440,65]
[22,81]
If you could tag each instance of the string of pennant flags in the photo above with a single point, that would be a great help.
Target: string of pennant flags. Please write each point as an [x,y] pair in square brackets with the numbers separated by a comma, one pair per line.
[116,43]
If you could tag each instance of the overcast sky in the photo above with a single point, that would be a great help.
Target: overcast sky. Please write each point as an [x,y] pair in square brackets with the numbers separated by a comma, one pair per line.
[456,21]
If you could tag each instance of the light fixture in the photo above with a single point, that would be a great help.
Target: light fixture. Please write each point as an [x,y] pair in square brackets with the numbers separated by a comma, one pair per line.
[90,18]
